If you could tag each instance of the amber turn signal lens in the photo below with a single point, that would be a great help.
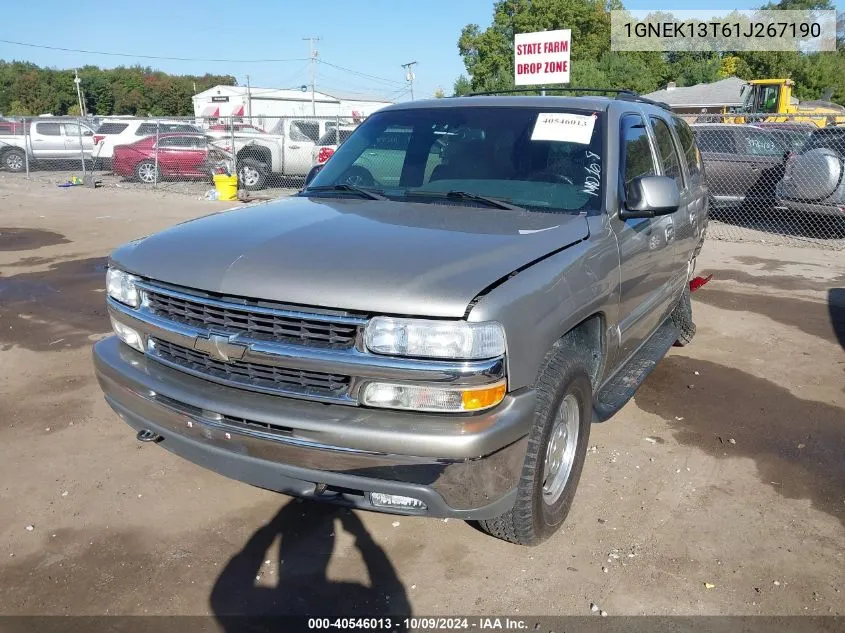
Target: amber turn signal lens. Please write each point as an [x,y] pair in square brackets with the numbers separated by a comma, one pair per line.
[482,398]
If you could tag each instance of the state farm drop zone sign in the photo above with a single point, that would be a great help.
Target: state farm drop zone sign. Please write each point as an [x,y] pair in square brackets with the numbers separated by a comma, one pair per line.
[542,58]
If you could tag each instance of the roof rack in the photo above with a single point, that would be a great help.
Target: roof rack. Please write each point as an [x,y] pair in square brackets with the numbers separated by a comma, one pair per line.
[622,94]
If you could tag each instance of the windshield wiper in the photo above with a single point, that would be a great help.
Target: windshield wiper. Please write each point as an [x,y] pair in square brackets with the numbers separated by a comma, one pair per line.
[496,203]
[367,193]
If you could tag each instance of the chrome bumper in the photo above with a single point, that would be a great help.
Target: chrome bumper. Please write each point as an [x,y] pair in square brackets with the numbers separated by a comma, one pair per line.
[461,466]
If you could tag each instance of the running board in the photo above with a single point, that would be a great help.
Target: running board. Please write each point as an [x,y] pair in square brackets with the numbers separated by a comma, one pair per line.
[621,388]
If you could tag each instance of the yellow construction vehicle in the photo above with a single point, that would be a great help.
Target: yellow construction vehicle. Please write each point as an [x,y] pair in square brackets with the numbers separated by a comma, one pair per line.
[773,99]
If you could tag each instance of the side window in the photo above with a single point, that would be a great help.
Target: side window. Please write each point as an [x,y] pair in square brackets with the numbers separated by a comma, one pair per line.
[688,148]
[720,139]
[72,130]
[667,151]
[146,129]
[636,158]
[304,131]
[760,144]
[48,129]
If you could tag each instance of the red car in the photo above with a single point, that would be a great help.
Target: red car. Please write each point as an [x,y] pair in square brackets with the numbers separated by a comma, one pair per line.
[181,155]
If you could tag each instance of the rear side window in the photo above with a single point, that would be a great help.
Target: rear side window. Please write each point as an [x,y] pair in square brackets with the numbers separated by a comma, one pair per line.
[637,159]
[687,145]
[715,140]
[112,128]
[48,129]
[149,129]
[667,151]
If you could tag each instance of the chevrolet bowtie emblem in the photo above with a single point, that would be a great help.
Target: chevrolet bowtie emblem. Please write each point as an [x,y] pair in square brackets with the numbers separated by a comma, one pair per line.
[220,347]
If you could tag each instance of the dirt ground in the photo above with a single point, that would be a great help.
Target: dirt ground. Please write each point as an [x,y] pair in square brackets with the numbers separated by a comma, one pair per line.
[719,490]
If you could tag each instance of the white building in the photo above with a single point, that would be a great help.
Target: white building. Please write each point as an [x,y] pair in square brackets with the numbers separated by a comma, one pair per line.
[264,104]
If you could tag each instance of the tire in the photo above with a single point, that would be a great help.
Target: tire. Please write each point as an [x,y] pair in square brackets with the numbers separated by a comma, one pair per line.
[682,319]
[147,172]
[544,498]
[252,174]
[14,160]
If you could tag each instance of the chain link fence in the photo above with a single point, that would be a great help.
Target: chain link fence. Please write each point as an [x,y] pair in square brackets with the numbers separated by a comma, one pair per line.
[270,155]
[773,178]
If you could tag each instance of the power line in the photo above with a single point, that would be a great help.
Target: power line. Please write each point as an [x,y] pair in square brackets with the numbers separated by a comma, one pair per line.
[360,74]
[178,59]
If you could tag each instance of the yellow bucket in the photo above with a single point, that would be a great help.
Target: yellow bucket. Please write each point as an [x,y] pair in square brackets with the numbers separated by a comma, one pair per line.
[227,187]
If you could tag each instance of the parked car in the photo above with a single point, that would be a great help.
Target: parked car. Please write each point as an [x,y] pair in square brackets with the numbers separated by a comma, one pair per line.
[285,153]
[438,348]
[328,143]
[53,139]
[814,181]
[171,155]
[126,131]
[10,127]
[744,164]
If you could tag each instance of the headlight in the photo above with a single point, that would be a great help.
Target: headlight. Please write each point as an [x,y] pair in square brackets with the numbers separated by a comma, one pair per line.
[121,287]
[435,339]
[425,398]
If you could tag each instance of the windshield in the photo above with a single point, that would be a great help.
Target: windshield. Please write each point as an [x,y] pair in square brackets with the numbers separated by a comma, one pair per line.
[537,158]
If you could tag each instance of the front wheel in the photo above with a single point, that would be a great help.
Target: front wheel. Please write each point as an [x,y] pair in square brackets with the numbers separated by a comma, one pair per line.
[557,447]
[252,174]
[14,160]
[147,172]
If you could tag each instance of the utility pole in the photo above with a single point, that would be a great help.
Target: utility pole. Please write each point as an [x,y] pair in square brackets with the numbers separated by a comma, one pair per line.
[77,81]
[409,76]
[248,101]
[313,57]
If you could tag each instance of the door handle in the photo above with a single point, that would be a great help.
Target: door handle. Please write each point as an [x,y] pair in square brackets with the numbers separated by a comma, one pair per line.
[38,140]
[371,153]
[293,146]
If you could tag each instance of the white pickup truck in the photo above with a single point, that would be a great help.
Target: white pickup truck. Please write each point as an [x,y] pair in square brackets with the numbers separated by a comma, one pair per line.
[48,140]
[285,154]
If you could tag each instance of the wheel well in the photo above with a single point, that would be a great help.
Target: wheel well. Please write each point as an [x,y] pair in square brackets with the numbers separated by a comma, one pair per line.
[589,334]
[261,154]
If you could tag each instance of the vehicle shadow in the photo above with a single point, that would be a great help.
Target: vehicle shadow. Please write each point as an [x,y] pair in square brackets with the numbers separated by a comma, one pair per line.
[301,587]
[836,307]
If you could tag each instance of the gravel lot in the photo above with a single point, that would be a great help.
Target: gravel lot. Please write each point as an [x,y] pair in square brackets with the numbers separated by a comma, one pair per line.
[727,469]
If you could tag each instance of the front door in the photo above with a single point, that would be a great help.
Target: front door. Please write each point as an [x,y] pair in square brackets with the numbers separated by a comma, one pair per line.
[645,244]
[300,138]
[47,140]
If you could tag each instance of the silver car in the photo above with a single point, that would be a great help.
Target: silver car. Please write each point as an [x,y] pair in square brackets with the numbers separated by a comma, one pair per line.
[433,323]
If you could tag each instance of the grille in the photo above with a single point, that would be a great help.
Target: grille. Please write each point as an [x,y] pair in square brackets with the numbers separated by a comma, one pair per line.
[264,377]
[258,325]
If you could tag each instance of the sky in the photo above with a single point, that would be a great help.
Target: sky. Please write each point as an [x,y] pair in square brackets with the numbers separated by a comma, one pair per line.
[369,37]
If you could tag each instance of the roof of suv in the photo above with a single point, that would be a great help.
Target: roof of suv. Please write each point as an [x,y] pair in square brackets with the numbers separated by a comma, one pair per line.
[516,101]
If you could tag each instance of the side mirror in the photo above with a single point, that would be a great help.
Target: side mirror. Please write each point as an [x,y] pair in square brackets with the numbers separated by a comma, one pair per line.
[314,171]
[650,196]
[87,133]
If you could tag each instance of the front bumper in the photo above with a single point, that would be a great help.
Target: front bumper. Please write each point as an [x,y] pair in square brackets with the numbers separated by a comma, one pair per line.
[460,466]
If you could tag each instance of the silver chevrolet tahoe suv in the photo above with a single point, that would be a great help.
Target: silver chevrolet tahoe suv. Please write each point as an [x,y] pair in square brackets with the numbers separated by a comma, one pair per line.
[432,324]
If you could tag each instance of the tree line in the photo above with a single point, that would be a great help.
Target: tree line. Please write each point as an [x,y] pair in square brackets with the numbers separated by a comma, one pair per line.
[29,90]
[488,53]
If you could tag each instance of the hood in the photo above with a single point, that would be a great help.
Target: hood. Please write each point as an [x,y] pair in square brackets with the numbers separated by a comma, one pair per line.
[359,255]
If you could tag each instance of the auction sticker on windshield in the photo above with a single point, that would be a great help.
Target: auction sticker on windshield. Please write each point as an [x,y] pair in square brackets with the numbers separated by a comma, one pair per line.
[558,126]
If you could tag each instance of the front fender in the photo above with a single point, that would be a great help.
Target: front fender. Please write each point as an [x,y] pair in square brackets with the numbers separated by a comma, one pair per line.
[542,303]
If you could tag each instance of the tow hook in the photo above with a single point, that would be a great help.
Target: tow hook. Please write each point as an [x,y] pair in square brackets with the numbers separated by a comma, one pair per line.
[696,282]
[145,435]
